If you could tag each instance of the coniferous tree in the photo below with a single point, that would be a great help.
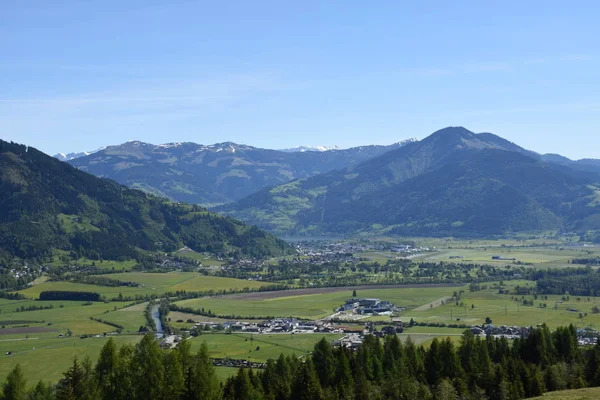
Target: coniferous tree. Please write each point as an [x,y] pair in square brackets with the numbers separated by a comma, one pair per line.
[71,386]
[15,386]
[306,384]
[324,362]
[106,370]
[148,369]
[41,391]
[173,386]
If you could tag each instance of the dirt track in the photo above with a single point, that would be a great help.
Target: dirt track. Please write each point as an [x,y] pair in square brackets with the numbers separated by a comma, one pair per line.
[300,292]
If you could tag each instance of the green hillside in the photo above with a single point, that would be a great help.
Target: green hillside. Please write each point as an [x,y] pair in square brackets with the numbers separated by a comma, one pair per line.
[49,207]
[454,182]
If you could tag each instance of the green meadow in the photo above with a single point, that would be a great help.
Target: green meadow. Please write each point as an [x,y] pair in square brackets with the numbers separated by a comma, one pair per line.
[506,311]
[48,358]
[312,306]
[152,283]
[259,347]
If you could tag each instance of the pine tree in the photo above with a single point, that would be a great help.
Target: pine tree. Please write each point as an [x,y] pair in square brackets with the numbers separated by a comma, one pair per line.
[324,362]
[173,385]
[242,386]
[125,369]
[106,370]
[199,376]
[445,391]
[41,391]
[344,382]
[71,386]
[433,364]
[306,383]
[149,373]
[15,386]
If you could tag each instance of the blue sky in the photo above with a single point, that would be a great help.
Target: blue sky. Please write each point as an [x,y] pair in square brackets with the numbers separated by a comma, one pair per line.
[77,75]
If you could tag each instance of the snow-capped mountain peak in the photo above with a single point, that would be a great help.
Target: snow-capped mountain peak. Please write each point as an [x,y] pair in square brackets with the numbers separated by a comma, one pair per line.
[72,156]
[302,149]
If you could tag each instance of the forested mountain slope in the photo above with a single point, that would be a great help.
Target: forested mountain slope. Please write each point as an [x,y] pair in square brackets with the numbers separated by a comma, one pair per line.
[47,206]
[454,182]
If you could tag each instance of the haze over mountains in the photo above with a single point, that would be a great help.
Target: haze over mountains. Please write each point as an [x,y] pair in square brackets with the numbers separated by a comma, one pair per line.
[218,173]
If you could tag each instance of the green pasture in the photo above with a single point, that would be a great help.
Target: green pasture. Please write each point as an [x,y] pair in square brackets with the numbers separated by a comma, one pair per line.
[504,311]
[73,315]
[104,264]
[579,394]
[48,358]
[313,306]
[131,318]
[538,257]
[224,372]
[153,283]
[244,346]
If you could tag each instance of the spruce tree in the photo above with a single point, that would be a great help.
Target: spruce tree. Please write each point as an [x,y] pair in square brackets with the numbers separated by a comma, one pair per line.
[106,370]
[15,386]
[324,362]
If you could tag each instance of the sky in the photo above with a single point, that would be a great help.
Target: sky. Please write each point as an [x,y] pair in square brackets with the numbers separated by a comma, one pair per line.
[78,75]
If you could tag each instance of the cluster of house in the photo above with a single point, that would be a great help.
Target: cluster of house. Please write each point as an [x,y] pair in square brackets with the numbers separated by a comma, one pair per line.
[276,325]
[231,363]
[370,306]
[325,248]
[350,341]
[587,337]
[508,332]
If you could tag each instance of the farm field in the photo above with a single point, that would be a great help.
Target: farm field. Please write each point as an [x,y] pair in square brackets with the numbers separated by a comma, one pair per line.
[258,347]
[64,315]
[225,372]
[48,358]
[311,306]
[153,283]
[506,311]
[539,252]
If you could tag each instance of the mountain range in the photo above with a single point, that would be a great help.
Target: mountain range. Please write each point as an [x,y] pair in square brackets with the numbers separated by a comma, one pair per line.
[454,182]
[214,174]
[49,208]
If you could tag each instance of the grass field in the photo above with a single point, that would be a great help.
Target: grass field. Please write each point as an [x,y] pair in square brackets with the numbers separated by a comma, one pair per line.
[258,347]
[580,394]
[538,251]
[47,358]
[313,305]
[73,315]
[504,311]
[153,283]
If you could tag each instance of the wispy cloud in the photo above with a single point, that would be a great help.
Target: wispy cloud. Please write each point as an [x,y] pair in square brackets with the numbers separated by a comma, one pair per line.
[152,96]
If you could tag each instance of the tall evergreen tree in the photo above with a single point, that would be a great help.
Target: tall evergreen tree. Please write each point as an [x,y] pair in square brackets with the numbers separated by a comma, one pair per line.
[149,372]
[324,362]
[15,386]
[106,370]
[306,384]
[41,391]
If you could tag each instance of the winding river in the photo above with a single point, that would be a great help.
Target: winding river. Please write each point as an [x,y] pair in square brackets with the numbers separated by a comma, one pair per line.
[156,317]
